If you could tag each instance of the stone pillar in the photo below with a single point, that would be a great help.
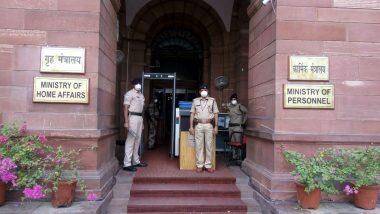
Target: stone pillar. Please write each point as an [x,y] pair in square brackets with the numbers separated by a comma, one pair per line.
[24,29]
[216,70]
[345,31]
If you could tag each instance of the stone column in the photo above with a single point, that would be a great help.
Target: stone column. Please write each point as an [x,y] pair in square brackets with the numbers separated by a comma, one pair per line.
[344,31]
[24,29]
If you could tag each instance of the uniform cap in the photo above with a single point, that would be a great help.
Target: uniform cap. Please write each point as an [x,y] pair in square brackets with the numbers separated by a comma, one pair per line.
[203,86]
[136,81]
[234,96]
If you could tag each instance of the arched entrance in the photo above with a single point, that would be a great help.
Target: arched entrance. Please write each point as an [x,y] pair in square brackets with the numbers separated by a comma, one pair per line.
[189,37]
[186,39]
[193,22]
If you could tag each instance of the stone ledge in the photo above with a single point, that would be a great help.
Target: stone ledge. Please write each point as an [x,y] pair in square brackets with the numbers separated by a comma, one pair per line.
[105,176]
[267,183]
[77,134]
[309,137]
[248,166]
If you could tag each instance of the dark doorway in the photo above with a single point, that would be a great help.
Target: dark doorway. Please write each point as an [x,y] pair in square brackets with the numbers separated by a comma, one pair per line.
[178,50]
[175,50]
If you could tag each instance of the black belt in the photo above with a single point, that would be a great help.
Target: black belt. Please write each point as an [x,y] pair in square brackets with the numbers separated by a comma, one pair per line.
[234,124]
[135,113]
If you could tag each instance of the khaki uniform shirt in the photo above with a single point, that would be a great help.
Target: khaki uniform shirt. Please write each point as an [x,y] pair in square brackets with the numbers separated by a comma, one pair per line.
[135,100]
[204,109]
[237,113]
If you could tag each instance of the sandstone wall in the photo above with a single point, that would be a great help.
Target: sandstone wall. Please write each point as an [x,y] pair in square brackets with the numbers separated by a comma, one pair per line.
[345,31]
[28,25]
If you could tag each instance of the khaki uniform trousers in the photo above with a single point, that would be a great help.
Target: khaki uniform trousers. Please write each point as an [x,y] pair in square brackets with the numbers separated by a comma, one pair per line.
[133,141]
[203,144]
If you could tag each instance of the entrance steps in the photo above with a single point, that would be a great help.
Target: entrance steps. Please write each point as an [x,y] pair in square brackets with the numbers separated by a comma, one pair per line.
[186,204]
[185,190]
[191,179]
[189,194]
[163,188]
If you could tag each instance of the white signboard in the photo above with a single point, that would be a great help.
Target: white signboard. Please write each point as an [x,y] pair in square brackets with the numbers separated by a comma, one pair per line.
[309,68]
[62,60]
[309,96]
[60,90]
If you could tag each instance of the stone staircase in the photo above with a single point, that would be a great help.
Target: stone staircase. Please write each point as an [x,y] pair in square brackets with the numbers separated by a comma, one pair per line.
[163,188]
[183,195]
[186,194]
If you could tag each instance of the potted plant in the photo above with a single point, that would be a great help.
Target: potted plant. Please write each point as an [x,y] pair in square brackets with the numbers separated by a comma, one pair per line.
[333,166]
[364,166]
[40,168]
[307,175]
[62,176]
[27,153]
[314,174]
[7,174]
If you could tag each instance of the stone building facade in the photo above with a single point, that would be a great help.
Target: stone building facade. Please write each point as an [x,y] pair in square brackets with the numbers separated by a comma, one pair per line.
[244,40]
[348,33]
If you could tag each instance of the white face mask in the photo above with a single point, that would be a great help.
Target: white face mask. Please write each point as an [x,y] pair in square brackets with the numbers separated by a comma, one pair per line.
[204,93]
[137,87]
[233,102]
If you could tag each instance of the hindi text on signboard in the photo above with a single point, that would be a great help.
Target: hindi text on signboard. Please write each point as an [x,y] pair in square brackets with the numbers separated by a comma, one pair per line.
[62,60]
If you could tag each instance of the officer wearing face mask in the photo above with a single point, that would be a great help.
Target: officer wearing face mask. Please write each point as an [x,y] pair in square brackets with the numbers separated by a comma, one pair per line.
[153,114]
[133,108]
[204,125]
[238,117]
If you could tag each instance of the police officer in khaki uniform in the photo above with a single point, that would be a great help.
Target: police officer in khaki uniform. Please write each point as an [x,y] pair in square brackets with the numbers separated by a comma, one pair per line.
[238,117]
[133,108]
[204,124]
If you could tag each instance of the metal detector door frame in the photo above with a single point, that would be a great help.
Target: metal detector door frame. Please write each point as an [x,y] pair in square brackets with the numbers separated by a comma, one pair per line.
[164,76]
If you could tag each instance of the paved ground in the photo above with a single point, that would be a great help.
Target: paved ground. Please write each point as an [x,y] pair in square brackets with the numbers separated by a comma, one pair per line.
[242,181]
[121,193]
[326,208]
[46,208]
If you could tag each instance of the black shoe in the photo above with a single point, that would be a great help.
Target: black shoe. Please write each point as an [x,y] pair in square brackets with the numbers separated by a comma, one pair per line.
[130,168]
[141,165]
